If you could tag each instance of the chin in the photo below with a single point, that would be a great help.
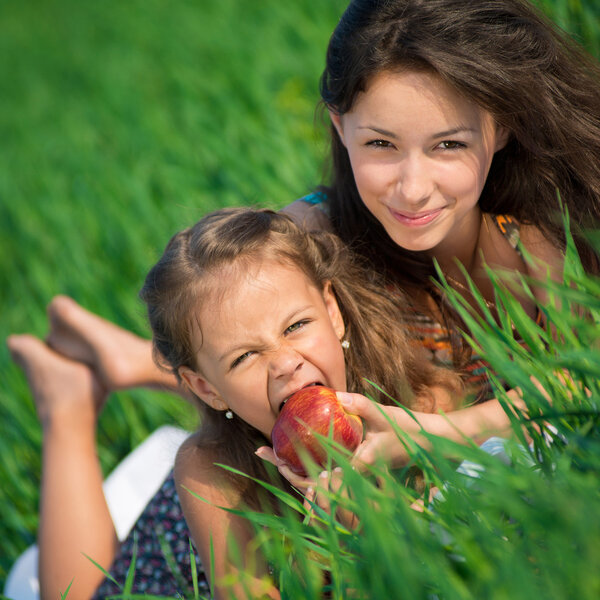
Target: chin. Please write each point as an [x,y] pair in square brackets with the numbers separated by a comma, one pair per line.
[413,245]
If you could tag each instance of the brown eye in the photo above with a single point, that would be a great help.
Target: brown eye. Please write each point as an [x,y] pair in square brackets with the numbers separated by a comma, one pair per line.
[379,144]
[451,145]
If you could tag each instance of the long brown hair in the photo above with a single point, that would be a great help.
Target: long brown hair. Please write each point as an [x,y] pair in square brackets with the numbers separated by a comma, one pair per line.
[512,61]
[379,350]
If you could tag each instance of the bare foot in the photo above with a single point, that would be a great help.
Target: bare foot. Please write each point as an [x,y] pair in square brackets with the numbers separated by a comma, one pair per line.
[60,387]
[120,358]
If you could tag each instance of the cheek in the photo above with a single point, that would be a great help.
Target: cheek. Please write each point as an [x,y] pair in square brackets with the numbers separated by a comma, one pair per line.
[372,179]
[336,365]
[327,354]
[462,181]
[339,378]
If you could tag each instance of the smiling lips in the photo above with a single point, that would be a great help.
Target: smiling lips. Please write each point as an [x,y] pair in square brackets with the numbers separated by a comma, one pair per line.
[416,220]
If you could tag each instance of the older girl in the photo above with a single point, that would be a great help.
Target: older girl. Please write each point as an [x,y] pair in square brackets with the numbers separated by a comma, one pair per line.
[456,125]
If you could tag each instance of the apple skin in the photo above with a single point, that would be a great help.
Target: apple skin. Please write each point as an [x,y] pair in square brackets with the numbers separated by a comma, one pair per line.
[309,411]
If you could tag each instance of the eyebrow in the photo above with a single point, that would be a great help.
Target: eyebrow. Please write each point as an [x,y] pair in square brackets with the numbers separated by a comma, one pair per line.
[441,134]
[243,345]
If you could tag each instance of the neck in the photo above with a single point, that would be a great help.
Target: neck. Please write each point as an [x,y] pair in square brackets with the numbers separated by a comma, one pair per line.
[462,248]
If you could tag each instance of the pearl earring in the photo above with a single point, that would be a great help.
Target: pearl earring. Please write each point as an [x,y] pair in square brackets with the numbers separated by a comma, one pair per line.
[229,414]
[345,344]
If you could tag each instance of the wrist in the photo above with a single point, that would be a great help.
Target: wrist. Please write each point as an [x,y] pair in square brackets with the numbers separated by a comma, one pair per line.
[69,421]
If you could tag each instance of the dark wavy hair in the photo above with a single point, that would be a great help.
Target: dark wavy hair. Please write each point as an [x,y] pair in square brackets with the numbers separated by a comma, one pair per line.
[512,61]
[230,241]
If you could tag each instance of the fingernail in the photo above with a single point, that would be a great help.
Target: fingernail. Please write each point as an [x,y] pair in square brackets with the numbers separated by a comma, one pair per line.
[344,398]
[337,470]
[260,452]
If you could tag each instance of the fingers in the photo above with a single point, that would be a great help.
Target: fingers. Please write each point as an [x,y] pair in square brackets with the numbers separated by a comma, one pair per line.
[330,497]
[298,481]
[322,499]
[357,404]
[266,453]
[322,493]
[377,416]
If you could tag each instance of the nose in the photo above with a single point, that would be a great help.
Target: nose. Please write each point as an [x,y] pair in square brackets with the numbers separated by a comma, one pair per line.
[285,361]
[415,182]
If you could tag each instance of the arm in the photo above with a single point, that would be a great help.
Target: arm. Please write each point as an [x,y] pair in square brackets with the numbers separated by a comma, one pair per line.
[74,516]
[194,471]
[476,423]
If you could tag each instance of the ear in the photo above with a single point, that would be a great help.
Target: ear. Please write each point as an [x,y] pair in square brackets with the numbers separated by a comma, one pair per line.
[502,137]
[336,119]
[334,310]
[201,388]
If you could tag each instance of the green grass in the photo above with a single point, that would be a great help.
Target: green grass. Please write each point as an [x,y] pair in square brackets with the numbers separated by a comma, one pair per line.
[524,527]
[122,122]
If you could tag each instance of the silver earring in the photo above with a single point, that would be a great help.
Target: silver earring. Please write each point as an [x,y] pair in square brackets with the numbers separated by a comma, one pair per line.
[345,344]
[229,414]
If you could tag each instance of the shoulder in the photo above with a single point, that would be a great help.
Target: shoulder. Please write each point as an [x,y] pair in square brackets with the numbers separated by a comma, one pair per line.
[206,495]
[546,257]
[310,212]
[196,471]
[528,245]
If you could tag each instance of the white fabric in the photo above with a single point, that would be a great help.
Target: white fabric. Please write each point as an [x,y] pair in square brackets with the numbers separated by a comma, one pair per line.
[128,489]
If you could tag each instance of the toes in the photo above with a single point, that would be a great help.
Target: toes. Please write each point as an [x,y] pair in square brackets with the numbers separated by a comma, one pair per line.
[23,347]
[60,308]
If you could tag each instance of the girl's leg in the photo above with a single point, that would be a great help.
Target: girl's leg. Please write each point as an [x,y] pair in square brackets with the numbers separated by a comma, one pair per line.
[74,516]
[120,358]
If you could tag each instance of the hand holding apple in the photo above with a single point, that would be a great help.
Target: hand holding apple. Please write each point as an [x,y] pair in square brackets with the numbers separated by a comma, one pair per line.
[313,410]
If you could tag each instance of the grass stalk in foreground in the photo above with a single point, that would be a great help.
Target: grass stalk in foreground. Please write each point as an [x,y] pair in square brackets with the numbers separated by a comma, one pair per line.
[521,521]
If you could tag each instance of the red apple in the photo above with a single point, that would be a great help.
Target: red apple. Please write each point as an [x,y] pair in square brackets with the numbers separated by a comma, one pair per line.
[312,410]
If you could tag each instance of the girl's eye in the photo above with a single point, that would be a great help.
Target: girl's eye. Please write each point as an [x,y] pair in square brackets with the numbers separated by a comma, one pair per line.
[379,144]
[241,359]
[296,326]
[451,145]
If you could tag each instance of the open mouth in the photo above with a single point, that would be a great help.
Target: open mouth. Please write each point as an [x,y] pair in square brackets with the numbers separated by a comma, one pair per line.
[306,386]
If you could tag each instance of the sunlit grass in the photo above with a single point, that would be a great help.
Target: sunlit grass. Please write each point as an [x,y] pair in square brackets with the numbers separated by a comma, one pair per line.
[519,521]
[120,124]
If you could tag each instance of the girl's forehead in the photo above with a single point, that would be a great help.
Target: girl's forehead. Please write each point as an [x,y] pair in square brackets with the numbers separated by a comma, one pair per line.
[415,98]
[250,298]
[413,84]
[231,279]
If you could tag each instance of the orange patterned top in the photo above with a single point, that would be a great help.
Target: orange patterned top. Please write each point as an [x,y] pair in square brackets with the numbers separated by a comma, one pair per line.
[433,336]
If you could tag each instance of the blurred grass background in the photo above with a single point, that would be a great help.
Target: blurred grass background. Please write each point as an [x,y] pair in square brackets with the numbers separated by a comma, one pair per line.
[120,123]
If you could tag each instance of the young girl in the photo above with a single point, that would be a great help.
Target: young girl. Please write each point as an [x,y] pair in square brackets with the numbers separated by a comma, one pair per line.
[246,308]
